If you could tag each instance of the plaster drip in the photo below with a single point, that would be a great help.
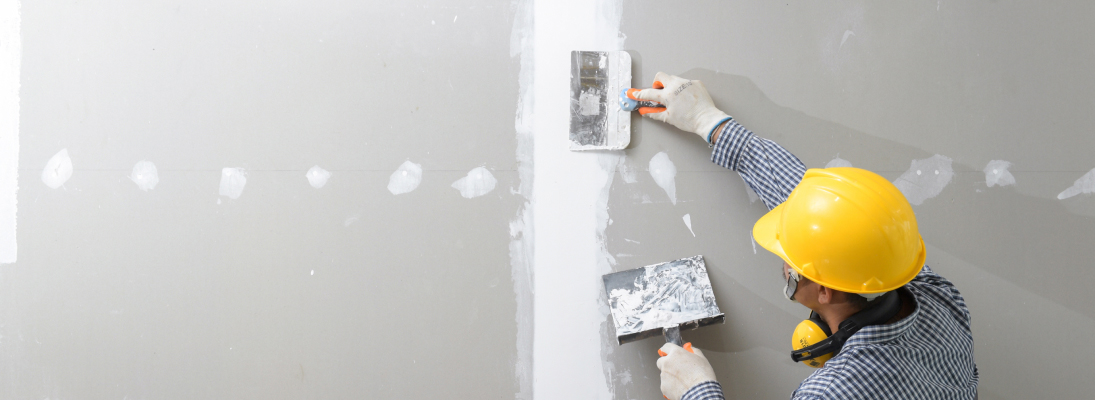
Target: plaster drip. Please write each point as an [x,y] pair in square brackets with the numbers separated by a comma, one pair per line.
[925,179]
[1084,185]
[317,177]
[664,173]
[10,61]
[838,162]
[750,192]
[232,182]
[847,34]
[688,222]
[406,178]
[478,182]
[58,169]
[144,175]
[996,173]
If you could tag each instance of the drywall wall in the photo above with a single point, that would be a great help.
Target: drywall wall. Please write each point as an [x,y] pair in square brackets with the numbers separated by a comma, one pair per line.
[192,248]
[965,88]
[375,200]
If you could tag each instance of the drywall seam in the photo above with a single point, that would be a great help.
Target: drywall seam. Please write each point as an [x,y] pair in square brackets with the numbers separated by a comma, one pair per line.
[569,209]
[521,228]
[11,52]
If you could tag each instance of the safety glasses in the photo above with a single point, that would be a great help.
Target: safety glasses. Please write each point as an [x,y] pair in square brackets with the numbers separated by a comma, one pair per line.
[792,284]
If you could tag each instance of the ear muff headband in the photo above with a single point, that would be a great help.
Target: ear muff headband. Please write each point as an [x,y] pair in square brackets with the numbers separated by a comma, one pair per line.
[880,312]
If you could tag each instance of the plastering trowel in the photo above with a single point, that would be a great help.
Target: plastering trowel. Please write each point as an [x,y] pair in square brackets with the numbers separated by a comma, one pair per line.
[662,299]
[601,100]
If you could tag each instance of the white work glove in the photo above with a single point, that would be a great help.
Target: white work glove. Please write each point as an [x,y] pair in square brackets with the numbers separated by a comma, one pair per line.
[687,104]
[682,370]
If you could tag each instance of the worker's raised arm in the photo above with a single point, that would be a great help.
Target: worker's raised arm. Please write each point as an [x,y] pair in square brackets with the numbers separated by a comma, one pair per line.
[769,169]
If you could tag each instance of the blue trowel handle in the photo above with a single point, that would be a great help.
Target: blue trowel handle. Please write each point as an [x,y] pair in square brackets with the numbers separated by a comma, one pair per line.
[628,102]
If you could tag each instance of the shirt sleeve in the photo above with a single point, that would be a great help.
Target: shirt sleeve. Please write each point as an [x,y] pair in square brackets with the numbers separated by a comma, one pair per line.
[943,291]
[769,169]
[709,390]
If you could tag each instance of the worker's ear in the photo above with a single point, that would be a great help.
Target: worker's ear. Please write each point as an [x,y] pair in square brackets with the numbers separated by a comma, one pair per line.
[824,295]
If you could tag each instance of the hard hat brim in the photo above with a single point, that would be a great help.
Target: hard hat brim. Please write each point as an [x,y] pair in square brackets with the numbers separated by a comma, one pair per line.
[765,233]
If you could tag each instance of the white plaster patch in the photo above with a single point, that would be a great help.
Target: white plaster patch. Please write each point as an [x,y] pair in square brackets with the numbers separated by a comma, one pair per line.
[406,178]
[925,178]
[996,173]
[478,182]
[58,169]
[317,177]
[232,182]
[664,173]
[754,242]
[838,162]
[1084,185]
[688,223]
[144,175]
[627,172]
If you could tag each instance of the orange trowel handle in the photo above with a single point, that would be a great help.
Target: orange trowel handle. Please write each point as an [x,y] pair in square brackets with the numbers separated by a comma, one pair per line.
[687,346]
[646,106]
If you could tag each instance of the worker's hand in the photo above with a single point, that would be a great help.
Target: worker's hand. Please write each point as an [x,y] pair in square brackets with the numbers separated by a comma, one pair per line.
[687,105]
[682,370]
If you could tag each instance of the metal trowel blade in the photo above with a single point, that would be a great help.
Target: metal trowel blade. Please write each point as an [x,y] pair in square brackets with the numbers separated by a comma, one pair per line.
[596,120]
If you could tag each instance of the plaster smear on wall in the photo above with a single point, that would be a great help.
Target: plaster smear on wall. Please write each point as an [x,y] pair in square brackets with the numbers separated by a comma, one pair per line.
[144,175]
[317,177]
[688,222]
[838,162]
[1084,185]
[996,173]
[478,182]
[521,230]
[406,178]
[925,179]
[10,55]
[58,169]
[232,182]
[665,174]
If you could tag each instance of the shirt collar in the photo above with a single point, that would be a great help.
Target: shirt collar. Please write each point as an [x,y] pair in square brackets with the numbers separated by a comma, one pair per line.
[874,334]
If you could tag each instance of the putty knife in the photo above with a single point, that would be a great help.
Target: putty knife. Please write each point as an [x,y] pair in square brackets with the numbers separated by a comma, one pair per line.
[596,120]
[662,299]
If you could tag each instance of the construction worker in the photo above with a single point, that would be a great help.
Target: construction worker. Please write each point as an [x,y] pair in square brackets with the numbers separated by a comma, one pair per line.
[882,324]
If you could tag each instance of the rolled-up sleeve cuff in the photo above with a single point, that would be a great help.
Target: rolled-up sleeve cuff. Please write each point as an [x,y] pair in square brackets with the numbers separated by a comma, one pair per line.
[731,145]
[709,390]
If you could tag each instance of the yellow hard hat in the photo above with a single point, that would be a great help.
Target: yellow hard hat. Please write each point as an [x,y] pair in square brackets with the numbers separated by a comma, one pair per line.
[847,229]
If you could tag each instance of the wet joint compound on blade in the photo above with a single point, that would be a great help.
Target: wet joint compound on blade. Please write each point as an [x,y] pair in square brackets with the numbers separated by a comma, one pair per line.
[662,295]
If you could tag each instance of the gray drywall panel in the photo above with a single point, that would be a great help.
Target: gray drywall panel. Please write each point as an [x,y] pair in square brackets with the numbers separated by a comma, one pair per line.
[346,291]
[879,85]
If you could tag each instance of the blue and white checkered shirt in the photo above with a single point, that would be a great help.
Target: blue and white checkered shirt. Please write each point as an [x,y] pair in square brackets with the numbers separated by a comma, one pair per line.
[926,355]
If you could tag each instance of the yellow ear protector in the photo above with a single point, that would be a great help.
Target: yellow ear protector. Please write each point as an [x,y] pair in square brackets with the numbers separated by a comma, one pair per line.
[814,343]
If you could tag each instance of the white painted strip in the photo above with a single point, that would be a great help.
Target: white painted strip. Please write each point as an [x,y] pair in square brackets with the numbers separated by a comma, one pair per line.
[569,203]
[11,51]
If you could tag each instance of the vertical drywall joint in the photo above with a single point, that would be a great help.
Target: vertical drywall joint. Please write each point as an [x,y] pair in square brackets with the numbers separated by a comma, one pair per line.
[521,227]
[569,210]
[10,54]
